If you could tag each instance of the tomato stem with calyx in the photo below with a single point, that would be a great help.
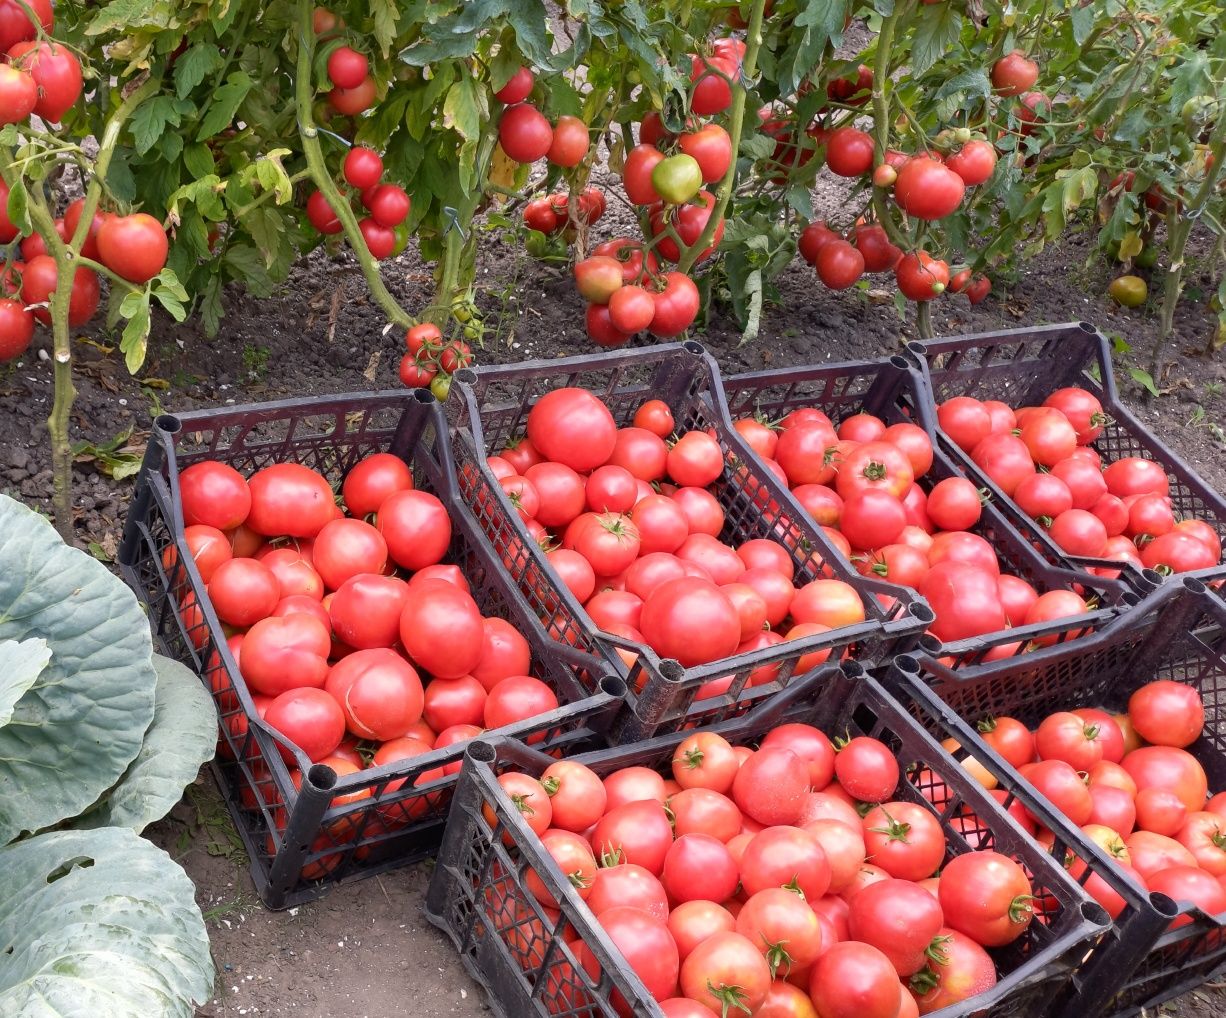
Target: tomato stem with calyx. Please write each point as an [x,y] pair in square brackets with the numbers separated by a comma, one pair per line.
[729,996]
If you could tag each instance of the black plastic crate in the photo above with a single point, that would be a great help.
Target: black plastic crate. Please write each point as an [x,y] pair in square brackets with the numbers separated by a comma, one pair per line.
[489,408]
[896,391]
[301,841]
[1023,367]
[1179,633]
[521,953]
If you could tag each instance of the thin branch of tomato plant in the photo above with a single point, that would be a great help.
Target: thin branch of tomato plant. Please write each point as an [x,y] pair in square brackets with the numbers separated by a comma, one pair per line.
[881,118]
[318,169]
[1179,228]
[753,42]
[67,260]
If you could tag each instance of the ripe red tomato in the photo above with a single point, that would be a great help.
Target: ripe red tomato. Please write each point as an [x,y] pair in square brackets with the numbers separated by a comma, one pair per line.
[362,167]
[416,527]
[39,281]
[854,980]
[379,692]
[711,146]
[783,927]
[1191,884]
[634,832]
[904,839]
[959,969]
[688,221]
[874,466]
[690,924]
[243,591]
[965,420]
[1084,479]
[783,857]
[15,23]
[1167,713]
[711,93]
[389,206]
[365,611]
[134,247]
[726,970]
[1177,552]
[690,620]
[965,598]
[441,629]
[517,88]
[1006,460]
[1014,73]
[56,73]
[284,653]
[289,499]
[676,305]
[570,142]
[705,760]
[349,102]
[1136,476]
[899,919]
[1079,533]
[954,504]
[18,94]
[920,276]
[987,896]
[1063,786]
[321,215]
[518,698]
[573,427]
[974,162]
[873,243]
[1043,496]
[699,867]
[849,152]
[372,480]
[839,264]
[1083,410]
[345,548]
[524,133]
[577,795]
[770,786]
[636,174]
[812,238]
[928,189]
[213,494]
[310,718]
[867,769]
[1049,438]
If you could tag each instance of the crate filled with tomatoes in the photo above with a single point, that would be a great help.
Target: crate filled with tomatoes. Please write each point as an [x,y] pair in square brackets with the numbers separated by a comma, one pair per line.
[639,521]
[821,854]
[1121,735]
[1035,414]
[312,561]
[856,445]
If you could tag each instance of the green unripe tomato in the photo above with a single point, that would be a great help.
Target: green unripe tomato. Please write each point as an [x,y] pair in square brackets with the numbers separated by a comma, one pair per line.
[1148,257]
[441,386]
[677,179]
[401,230]
[1130,291]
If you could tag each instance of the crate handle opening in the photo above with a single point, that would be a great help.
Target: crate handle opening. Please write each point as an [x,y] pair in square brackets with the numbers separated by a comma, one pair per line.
[168,424]
[481,752]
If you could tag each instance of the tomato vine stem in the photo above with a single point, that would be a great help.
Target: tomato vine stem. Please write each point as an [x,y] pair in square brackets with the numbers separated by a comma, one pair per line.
[318,168]
[753,42]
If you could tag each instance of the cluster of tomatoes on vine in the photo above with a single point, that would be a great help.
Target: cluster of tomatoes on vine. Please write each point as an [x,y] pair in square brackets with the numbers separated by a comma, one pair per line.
[43,78]
[430,361]
[928,187]
[383,208]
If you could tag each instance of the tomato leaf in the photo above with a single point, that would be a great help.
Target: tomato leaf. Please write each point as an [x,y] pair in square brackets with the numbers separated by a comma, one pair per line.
[1081,20]
[126,15]
[1144,379]
[135,339]
[18,209]
[386,15]
[153,116]
[194,65]
[463,108]
[936,31]
[225,104]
